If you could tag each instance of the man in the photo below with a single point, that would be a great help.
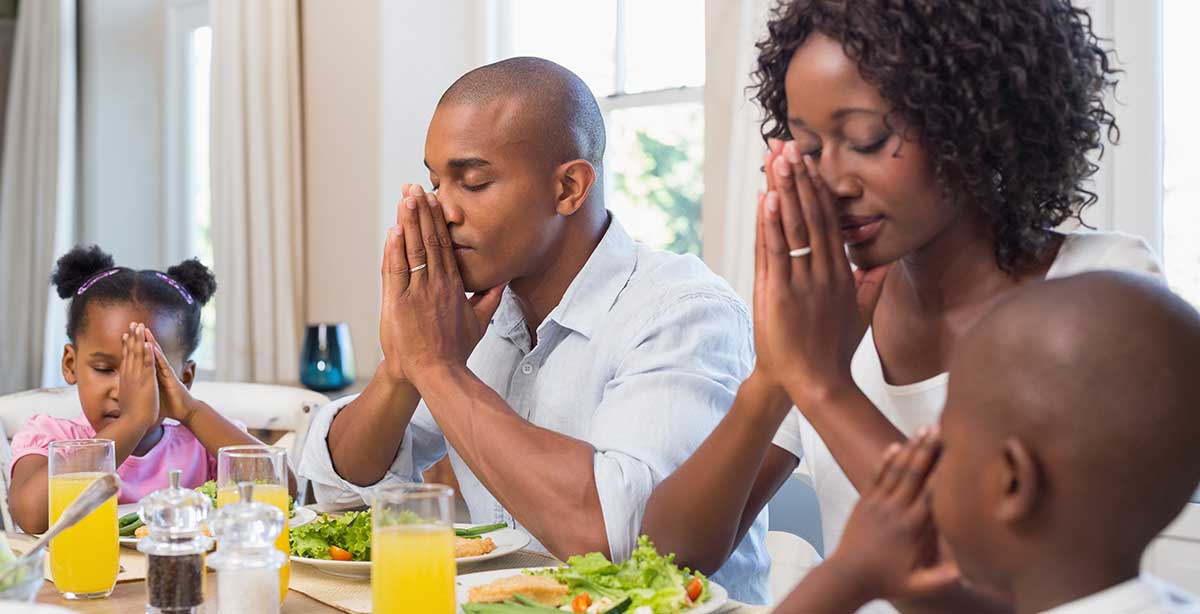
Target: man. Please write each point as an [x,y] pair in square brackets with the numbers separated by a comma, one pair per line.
[584,369]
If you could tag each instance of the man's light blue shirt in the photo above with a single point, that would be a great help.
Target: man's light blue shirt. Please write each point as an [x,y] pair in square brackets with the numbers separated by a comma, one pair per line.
[641,359]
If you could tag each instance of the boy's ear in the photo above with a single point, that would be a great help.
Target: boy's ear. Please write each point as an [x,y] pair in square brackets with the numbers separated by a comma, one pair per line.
[1021,482]
[575,182]
[188,373]
[68,364]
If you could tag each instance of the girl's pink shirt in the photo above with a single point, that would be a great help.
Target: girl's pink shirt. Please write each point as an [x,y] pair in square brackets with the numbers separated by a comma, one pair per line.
[140,475]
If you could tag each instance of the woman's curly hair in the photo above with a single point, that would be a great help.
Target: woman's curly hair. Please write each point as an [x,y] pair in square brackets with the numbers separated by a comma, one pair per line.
[1007,96]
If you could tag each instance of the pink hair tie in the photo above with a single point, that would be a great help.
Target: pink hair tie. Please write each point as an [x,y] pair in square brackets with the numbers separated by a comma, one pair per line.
[187,296]
[95,278]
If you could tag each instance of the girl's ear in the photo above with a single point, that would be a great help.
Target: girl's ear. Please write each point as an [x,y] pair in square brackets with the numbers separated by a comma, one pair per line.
[188,373]
[68,364]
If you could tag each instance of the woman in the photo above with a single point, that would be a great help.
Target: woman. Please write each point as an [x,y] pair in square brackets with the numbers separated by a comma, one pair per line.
[941,142]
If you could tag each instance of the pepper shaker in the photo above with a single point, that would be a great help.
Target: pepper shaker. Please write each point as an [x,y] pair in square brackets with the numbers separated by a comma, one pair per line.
[246,560]
[175,548]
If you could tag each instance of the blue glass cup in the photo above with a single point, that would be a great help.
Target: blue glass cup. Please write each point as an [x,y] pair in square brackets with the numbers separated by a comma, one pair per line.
[327,361]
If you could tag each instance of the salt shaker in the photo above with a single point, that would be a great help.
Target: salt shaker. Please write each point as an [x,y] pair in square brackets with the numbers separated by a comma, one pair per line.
[175,548]
[246,559]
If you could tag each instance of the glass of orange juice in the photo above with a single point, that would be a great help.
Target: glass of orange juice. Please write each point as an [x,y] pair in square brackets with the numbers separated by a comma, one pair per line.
[266,468]
[84,558]
[412,549]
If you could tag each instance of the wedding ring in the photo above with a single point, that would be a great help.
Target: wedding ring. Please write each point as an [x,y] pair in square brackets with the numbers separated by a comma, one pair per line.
[800,251]
[416,268]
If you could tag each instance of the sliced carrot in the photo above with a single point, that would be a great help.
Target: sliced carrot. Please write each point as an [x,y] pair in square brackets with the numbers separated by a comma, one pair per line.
[581,603]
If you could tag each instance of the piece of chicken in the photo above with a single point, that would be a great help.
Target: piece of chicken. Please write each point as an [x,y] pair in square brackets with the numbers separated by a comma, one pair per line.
[544,590]
[473,547]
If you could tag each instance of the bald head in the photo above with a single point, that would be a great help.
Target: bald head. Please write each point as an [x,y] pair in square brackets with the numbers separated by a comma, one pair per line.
[554,104]
[1097,373]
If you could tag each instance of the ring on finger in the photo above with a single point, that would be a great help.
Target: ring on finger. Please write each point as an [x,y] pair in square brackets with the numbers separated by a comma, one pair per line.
[417,268]
[800,251]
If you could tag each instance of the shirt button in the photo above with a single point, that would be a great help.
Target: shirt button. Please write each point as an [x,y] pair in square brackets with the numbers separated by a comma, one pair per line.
[526,368]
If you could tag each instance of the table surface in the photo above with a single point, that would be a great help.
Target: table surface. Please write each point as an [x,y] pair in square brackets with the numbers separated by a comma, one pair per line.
[131,597]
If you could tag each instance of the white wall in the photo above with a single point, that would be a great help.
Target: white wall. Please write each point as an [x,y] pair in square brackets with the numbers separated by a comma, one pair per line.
[373,71]
[121,128]
[425,46]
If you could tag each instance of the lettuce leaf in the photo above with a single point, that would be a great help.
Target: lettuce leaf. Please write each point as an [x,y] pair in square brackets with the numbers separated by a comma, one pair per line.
[648,578]
[350,532]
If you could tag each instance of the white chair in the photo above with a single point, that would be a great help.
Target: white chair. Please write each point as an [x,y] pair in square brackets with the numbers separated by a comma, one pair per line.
[791,558]
[258,406]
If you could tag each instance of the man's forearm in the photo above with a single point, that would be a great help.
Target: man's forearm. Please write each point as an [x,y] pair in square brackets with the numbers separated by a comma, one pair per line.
[365,435]
[541,477]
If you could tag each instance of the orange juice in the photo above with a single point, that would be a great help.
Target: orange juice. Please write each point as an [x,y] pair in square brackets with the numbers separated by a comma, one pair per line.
[84,559]
[271,494]
[412,570]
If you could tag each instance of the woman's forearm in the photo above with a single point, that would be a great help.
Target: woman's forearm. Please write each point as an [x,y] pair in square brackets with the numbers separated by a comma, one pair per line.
[701,510]
[853,429]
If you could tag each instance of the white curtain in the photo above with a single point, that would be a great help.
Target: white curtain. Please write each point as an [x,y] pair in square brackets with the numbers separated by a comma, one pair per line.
[257,203]
[733,150]
[37,185]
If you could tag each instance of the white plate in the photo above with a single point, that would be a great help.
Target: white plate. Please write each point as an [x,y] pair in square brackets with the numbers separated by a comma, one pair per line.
[507,541]
[303,516]
[464,583]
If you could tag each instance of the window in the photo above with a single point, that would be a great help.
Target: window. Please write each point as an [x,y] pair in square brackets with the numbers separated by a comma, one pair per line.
[188,211]
[1181,160]
[644,61]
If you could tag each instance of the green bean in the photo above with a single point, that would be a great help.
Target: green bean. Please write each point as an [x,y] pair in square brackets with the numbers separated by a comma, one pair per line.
[477,531]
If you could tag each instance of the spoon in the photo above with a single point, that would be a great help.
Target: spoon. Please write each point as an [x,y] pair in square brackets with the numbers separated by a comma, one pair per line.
[92,497]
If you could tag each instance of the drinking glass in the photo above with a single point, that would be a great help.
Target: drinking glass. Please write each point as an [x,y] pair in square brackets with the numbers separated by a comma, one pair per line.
[84,559]
[266,468]
[412,549]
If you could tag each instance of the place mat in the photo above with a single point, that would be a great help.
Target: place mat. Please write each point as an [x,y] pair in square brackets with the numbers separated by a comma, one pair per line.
[345,594]
[354,596]
[133,563]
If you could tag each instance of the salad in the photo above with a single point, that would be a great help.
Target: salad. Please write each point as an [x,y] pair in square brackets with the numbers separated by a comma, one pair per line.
[348,537]
[129,524]
[340,538]
[647,583]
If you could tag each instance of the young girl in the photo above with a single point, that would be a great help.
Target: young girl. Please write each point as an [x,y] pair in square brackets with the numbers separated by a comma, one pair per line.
[126,330]
[937,145]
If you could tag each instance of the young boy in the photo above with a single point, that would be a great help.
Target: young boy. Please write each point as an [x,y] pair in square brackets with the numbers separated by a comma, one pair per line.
[1070,439]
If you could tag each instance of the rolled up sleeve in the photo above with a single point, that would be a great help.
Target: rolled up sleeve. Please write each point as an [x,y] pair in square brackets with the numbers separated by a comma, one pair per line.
[674,384]
[422,446]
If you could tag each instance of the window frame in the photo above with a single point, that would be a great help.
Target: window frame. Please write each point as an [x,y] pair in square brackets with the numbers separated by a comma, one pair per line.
[1130,180]
[183,17]
[498,45]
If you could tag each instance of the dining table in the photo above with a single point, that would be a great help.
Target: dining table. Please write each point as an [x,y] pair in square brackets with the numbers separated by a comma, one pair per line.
[310,591]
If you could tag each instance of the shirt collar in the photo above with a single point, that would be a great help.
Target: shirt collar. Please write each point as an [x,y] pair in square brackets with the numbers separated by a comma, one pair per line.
[591,294]
[1134,595]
